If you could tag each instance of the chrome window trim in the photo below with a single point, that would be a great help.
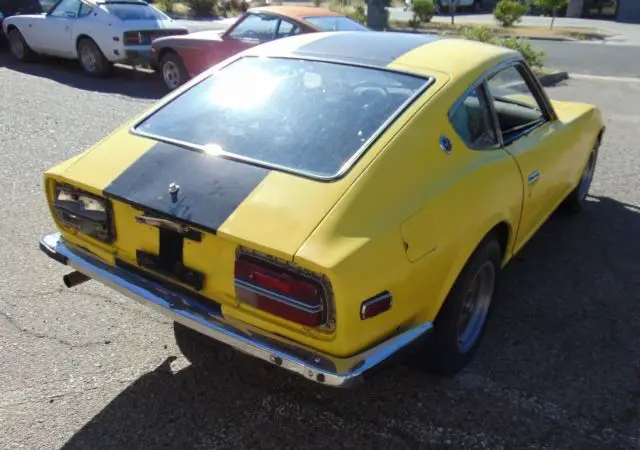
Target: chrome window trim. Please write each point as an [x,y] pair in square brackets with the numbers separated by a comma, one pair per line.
[428,81]
[530,80]
[482,92]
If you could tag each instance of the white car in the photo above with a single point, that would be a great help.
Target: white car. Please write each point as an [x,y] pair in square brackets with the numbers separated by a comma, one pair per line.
[97,32]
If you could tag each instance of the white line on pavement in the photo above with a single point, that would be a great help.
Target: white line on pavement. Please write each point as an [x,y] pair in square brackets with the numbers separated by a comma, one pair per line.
[584,76]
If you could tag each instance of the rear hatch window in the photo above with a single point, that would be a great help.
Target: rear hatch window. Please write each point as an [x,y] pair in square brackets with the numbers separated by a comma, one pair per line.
[307,117]
[127,11]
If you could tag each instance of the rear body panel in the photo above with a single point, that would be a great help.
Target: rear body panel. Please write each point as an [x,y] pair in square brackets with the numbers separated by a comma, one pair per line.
[397,221]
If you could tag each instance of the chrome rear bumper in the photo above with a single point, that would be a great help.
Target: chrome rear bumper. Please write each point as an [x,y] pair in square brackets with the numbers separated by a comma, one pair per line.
[206,318]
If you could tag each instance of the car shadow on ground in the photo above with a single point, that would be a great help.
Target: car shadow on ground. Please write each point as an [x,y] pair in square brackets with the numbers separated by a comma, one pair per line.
[121,80]
[558,366]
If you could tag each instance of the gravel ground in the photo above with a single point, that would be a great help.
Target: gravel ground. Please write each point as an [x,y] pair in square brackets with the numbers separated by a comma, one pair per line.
[86,368]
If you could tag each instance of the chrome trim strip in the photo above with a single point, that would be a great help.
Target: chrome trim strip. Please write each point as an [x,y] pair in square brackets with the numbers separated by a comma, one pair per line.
[278,297]
[307,362]
[328,301]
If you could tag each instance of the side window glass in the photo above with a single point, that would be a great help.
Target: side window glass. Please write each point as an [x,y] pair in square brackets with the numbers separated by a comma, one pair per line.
[258,27]
[516,106]
[471,119]
[85,10]
[67,8]
[287,29]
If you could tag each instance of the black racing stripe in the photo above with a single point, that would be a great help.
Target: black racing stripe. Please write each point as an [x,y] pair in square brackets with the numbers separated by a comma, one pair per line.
[365,47]
[211,187]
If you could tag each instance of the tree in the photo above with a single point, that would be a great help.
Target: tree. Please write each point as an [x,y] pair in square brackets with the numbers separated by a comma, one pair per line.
[453,5]
[551,6]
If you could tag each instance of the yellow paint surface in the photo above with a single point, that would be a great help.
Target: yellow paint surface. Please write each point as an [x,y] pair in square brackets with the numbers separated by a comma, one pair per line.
[405,219]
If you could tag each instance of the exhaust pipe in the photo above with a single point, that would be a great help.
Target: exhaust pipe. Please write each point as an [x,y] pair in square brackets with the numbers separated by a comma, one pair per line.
[74,278]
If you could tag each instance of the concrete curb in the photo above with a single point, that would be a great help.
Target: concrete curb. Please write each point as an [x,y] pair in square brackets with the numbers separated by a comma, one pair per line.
[551,79]
[546,38]
[529,38]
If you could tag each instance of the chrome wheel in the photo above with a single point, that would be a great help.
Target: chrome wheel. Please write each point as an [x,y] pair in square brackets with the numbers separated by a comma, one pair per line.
[88,58]
[587,177]
[15,44]
[476,306]
[171,74]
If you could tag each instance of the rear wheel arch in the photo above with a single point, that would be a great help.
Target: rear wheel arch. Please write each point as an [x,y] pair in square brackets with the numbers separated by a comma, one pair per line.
[164,51]
[600,135]
[503,233]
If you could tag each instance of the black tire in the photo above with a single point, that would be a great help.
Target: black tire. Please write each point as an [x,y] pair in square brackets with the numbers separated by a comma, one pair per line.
[19,47]
[574,203]
[172,71]
[91,58]
[444,355]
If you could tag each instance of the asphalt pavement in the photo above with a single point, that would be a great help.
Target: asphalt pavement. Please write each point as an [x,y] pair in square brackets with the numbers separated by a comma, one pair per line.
[87,368]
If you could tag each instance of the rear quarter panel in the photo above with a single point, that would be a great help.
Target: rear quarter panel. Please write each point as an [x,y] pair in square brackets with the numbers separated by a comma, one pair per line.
[97,28]
[411,221]
[582,123]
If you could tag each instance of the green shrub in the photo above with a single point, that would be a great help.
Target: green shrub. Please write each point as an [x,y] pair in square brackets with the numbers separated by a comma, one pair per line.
[533,57]
[165,5]
[359,14]
[202,7]
[317,2]
[508,12]
[482,34]
[423,10]
[551,7]
[414,23]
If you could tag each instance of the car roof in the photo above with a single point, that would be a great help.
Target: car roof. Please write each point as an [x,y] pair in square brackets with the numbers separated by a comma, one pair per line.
[295,11]
[417,53]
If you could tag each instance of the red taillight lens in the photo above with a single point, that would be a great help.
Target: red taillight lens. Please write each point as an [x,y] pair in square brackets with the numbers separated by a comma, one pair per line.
[132,38]
[280,291]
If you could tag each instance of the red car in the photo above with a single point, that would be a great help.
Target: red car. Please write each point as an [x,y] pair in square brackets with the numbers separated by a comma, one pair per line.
[10,8]
[179,58]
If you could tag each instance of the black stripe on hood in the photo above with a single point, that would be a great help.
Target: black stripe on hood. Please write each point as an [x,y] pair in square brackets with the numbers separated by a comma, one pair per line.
[211,187]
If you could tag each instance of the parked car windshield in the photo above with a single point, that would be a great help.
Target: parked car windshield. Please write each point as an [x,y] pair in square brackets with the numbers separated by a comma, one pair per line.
[335,23]
[305,116]
[134,11]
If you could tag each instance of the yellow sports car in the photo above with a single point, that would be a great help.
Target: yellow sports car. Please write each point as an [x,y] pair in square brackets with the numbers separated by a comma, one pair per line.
[324,201]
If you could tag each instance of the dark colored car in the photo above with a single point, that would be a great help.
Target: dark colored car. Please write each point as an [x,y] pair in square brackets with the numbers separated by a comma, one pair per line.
[14,7]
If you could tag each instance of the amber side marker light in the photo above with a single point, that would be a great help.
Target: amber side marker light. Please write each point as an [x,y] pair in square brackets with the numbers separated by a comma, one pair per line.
[376,305]
[280,290]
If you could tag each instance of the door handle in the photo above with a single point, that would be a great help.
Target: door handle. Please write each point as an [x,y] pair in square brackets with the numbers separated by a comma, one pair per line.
[533,177]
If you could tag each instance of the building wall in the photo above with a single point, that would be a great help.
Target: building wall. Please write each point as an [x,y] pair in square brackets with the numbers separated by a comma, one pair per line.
[628,11]
[574,8]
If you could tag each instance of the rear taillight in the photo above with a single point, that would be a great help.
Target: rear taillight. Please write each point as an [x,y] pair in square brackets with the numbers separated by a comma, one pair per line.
[87,213]
[132,38]
[280,290]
